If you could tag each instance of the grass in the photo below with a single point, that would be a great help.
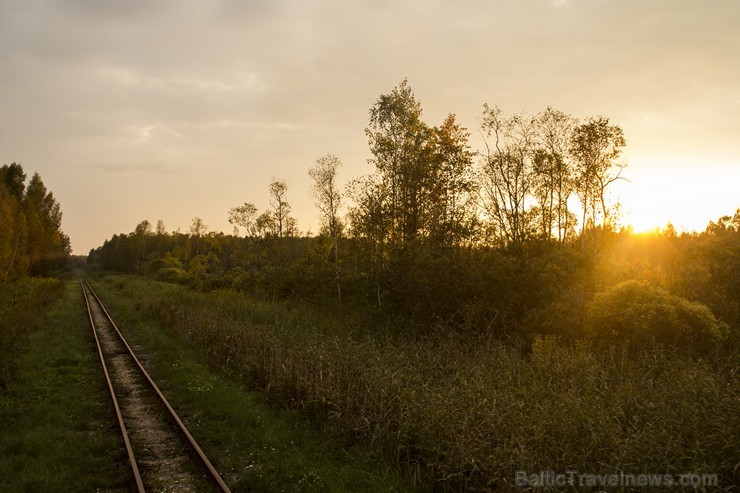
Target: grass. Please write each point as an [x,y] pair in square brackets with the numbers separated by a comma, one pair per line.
[253,445]
[466,414]
[57,430]
[21,304]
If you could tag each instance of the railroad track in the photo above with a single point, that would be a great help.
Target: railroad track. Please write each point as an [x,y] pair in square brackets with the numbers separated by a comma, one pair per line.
[163,454]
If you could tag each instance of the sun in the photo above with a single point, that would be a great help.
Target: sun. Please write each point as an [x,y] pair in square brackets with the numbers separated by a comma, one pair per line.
[687,198]
[641,211]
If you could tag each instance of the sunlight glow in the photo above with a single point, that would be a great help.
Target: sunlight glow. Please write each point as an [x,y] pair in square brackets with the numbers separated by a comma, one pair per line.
[682,195]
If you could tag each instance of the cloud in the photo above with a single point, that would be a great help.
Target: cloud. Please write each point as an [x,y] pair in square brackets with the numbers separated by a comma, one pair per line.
[127,167]
[229,80]
[230,92]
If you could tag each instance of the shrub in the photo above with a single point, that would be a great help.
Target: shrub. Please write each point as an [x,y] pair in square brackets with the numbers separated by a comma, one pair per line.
[173,274]
[155,266]
[636,313]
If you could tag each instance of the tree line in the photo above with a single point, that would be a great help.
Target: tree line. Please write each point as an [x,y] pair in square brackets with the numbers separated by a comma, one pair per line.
[436,232]
[31,239]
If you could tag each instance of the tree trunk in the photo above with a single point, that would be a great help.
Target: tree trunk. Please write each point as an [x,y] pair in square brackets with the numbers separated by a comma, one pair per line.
[336,266]
[12,260]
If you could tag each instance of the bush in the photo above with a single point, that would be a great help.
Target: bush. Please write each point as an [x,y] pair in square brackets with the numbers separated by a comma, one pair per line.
[174,275]
[636,313]
[155,266]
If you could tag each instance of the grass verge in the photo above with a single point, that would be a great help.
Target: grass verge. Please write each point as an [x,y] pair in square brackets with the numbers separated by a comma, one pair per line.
[254,446]
[57,432]
[22,303]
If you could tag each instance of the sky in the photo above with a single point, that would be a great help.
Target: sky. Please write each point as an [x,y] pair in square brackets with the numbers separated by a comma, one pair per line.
[173,109]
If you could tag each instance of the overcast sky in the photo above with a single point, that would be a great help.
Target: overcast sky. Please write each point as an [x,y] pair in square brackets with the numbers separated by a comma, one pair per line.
[136,109]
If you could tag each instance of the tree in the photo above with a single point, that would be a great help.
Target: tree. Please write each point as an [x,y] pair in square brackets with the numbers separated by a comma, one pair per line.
[13,229]
[452,213]
[244,216]
[31,239]
[508,175]
[595,146]
[403,150]
[197,229]
[553,170]
[328,200]
[418,203]
[47,246]
[14,178]
[161,232]
[265,225]
[326,193]
[142,230]
[370,222]
[283,223]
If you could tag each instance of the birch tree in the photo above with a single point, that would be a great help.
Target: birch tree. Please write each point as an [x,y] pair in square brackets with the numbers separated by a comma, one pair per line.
[595,146]
[245,216]
[508,172]
[284,224]
[403,154]
[554,172]
[328,200]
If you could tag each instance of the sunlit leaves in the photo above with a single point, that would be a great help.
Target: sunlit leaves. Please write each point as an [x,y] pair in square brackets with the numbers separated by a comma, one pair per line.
[31,239]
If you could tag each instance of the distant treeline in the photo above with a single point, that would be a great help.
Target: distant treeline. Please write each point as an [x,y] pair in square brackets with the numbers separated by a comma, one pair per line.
[439,233]
[31,239]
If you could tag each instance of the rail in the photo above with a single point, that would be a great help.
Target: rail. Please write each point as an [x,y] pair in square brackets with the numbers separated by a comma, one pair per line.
[211,472]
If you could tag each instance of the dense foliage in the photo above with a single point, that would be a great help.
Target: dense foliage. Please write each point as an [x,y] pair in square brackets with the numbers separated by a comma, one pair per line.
[434,237]
[31,239]
[636,313]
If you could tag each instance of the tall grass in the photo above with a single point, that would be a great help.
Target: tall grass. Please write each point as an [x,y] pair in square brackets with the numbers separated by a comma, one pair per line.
[21,305]
[466,414]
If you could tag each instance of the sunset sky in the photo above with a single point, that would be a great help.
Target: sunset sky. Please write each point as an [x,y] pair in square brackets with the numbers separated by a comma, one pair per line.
[172,109]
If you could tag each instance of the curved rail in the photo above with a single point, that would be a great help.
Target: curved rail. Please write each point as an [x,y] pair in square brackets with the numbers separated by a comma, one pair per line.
[212,473]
